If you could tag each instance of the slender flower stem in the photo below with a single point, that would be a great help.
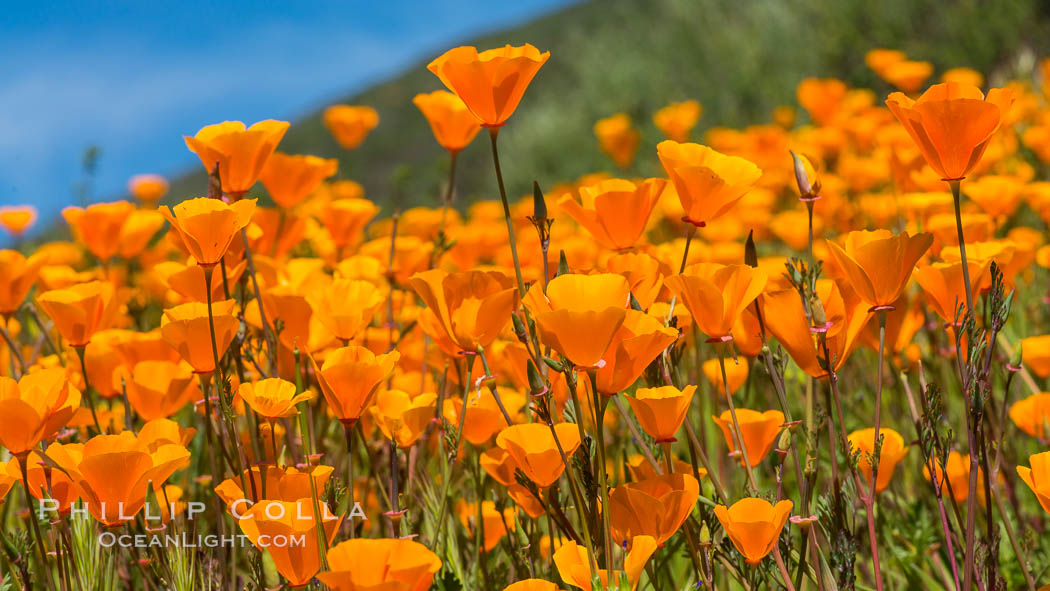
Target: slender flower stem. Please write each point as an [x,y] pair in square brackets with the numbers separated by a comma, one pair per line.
[600,405]
[348,431]
[35,526]
[872,499]
[468,366]
[493,133]
[16,353]
[956,195]
[736,424]
[87,386]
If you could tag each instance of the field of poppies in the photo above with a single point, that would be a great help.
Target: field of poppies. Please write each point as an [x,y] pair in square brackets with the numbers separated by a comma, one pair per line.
[812,354]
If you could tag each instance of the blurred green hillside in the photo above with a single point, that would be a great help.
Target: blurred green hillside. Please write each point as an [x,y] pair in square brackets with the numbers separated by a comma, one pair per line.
[739,58]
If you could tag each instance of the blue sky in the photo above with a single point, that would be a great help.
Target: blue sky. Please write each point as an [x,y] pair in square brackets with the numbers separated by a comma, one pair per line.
[134,77]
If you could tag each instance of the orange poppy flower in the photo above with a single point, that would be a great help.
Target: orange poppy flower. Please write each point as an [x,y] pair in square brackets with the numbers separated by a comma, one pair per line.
[135,235]
[453,124]
[1035,353]
[186,329]
[16,219]
[472,306]
[208,226]
[944,285]
[44,481]
[676,120]
[758,430]
[639,341]
[1038,477]
[654,507]
[660,411]
[349,378]
[958,481]
[878,264]
[484,418]
[822,98]
[282,483]
[287,530]
[394,564]
[735,372]
[79,311]
[291,179]
[907,75]
[346,306]
[785,319]
[116,470]
[642,271]
[879,59]
[35,407]
[494,523]
[272,398]
[618,138]
[1032,415]
[491,83]
[96,225]
[189,280]
[402,418]
[708,183]
[893,450]
[17,276]
[148,188]
[580,314]
[350,125]
[158,389]
[614,211]
[531,585]
[754,525]
[951,124]
[498,464]
[716,295]
[573,564]
[345,220]
[534,451]
[239,152]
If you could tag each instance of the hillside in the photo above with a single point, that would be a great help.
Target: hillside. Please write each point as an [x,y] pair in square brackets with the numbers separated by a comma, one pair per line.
[740,59]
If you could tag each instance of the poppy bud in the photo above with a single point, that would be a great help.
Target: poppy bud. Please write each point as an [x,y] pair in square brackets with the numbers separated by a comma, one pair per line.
[816,310]
[556,366]
[1015,359]
[750,252]
[539,204]
[806,177]
[536,384]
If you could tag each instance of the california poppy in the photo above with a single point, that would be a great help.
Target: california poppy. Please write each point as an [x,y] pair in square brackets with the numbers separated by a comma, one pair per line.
[346,306]
[350,125]
[878,264]
[758,430]
[346,219]
[35,407]
[640,339]
[186,329]
[16,219]
[958,470]
[736,375]
[395,564]
[892,451]
[654,507]
[44,481]
[708,183]
[484,418]
[17,276]
[268,522]
[349,378]
[148,188]
[1037,477]
[272,398]
[1035,353]
[97,224]
[158,389]
[494,523]
[945,287]
[472,306]
[754,525]
[453,124]
[573,564]
[615,211]
[660,411]
[292,178]
[716,295]
[208,226]
[491,83]
[676,120]
[239,152]
[531,585]
[618,138]
[78,311]
[907,75]
[1032,414]
[951,124]
[580,314]
[403,418]
[533,448]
